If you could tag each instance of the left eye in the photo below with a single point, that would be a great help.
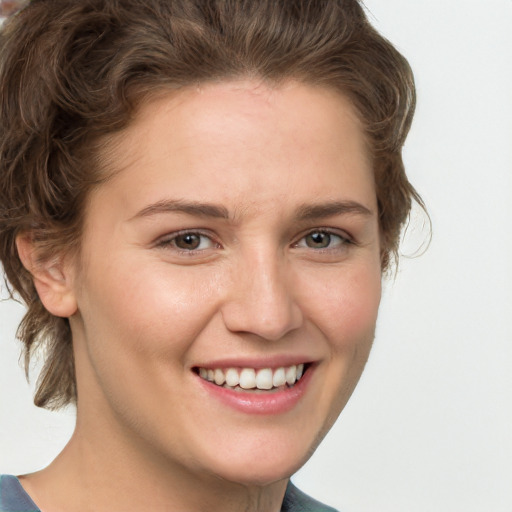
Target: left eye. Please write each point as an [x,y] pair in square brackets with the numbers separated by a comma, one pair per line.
[321,240]
[189,241]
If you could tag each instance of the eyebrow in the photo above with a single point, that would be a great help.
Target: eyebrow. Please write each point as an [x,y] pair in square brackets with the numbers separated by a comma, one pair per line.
[189,207]
[303,213]
[331,209]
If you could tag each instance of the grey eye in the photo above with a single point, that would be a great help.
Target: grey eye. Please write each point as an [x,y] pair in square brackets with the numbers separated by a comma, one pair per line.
[322,240]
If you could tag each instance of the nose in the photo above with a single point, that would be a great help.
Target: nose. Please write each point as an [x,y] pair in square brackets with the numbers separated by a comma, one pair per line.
[262,301]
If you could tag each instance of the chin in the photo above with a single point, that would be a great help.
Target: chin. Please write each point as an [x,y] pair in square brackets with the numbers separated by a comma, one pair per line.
[259,473]
[262,460]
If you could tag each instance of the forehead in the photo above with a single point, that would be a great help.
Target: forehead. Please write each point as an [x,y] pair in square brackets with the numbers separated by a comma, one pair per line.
[243,140]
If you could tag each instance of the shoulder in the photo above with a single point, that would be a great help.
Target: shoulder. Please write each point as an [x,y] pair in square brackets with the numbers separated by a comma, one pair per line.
[297,501]
[13,497]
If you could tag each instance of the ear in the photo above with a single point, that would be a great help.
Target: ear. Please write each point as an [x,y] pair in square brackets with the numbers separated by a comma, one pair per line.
[52,278]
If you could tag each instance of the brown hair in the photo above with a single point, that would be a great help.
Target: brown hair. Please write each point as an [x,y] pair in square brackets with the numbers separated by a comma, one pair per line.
[72,72]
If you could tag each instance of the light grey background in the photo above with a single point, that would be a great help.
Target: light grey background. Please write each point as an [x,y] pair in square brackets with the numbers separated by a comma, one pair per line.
[430,426]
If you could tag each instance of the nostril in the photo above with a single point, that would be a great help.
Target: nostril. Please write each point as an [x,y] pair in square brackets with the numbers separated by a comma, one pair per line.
[269,320]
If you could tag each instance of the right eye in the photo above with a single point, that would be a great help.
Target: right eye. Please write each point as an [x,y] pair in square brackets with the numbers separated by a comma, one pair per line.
[187,242]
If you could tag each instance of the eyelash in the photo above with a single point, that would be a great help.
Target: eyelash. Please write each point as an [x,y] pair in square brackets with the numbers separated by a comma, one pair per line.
[170,241]
[344,239]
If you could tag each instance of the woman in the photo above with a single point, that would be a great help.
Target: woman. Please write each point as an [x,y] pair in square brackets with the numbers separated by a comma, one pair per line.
[199,198]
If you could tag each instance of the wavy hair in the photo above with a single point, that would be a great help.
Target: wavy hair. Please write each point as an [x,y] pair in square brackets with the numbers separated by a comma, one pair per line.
[74,71]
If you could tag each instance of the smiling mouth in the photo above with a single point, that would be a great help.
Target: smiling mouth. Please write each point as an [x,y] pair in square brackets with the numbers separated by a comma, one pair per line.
[254,379]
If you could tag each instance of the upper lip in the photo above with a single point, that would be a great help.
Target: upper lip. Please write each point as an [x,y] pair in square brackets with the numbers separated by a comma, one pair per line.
[256,363]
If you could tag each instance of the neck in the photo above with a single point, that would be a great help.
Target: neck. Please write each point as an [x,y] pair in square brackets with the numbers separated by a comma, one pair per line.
[97,473]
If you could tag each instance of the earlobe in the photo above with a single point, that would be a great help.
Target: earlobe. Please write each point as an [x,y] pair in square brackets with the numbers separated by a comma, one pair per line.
[51,277]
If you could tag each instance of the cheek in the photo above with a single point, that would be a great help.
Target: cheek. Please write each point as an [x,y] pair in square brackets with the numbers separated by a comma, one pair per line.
[138,320]
[345,311]
[346,307]
[146,307]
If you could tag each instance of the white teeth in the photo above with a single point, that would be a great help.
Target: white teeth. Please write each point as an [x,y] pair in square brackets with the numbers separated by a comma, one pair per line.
[219,377]
[300,370]
[232,378]
[250,378]
[247,378]
[279,378]
[264,379]
[291,375]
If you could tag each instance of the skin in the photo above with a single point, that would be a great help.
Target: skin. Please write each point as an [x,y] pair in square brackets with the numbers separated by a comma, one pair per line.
[145,313]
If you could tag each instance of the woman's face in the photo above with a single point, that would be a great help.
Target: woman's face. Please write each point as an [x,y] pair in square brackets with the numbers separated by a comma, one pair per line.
[238,239]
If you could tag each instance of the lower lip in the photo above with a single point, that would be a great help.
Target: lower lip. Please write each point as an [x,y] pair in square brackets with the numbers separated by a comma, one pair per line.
[276,402]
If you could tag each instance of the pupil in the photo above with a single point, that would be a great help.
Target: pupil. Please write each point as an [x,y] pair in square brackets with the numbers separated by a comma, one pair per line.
[319,240]
[188,242]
